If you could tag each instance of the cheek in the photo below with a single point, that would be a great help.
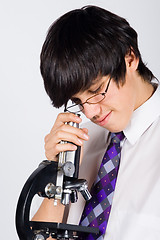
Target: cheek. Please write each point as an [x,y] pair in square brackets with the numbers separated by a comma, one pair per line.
[124,98]
[122,105]
[125,107]
[126,102]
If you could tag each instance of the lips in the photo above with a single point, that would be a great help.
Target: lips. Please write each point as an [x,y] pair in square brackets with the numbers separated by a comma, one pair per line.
[103,120]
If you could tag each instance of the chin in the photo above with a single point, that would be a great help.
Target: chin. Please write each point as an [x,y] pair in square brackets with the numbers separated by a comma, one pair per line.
[115,129]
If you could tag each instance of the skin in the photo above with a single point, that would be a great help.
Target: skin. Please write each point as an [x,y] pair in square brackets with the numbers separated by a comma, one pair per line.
[113,113]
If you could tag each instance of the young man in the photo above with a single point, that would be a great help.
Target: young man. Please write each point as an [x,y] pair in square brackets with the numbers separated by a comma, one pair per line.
[91,57]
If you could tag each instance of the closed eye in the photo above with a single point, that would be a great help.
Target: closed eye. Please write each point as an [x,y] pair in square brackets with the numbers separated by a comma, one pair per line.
[97,90]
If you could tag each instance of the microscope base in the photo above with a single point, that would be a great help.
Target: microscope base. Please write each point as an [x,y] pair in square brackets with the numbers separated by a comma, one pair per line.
[60,230]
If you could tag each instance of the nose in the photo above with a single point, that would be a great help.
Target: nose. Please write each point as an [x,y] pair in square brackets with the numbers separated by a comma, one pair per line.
[91,110]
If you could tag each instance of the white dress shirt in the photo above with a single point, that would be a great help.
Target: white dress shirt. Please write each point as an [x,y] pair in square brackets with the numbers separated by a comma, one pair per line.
[135,212]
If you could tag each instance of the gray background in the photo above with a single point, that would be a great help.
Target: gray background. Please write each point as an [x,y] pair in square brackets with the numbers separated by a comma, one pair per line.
[26,112]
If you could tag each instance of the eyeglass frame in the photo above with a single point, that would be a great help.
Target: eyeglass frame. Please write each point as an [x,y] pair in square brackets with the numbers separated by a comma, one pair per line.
[81,104]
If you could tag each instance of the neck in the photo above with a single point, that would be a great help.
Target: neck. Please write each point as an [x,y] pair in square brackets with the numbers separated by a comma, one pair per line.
[144,91]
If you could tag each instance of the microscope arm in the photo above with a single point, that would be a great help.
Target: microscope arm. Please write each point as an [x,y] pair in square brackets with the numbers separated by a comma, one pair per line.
[36,183]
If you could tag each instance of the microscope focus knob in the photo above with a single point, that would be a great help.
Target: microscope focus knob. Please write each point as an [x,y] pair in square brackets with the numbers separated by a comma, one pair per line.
[68,169]
[39,237]
[50,190]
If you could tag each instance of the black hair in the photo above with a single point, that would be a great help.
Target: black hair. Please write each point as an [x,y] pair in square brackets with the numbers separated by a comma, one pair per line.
[82,45]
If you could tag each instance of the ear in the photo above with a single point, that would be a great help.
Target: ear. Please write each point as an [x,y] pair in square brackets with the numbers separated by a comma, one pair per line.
[131,61]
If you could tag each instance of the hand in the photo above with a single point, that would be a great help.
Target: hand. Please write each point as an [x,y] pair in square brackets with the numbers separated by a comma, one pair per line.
[65,132]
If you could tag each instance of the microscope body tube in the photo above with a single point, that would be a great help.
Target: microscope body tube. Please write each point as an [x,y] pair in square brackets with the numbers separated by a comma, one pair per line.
[69,164]
[68,170]
[69,160]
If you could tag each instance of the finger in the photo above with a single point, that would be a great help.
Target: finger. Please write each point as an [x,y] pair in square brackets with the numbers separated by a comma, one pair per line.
[69,137]
[66,117]
[52,145]
[67,133]
[63,147]
[85,130]
[80,133]
[52,153]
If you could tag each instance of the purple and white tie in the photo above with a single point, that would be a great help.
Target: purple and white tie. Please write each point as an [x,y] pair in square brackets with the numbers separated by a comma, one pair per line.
[96,211]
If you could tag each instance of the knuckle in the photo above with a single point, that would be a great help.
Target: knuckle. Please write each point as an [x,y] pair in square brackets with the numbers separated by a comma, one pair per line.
[59,116]
[63,127]
[80,133]
[46,138]
[47,156]
[58,134]
[57,148]
[46,147]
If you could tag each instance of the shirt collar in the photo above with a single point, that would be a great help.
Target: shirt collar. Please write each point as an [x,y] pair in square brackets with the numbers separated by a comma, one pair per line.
[143,117]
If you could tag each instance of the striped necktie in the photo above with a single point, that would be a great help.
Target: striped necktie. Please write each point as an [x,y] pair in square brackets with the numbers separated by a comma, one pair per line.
[96,211]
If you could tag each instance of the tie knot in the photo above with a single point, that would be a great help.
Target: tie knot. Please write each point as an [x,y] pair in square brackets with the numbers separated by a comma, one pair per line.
[117,137]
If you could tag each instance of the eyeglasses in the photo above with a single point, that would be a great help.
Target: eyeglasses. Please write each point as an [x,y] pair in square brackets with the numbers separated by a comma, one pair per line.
[97,98]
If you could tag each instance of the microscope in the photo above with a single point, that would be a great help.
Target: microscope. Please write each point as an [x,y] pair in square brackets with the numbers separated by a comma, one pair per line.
[59,181]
